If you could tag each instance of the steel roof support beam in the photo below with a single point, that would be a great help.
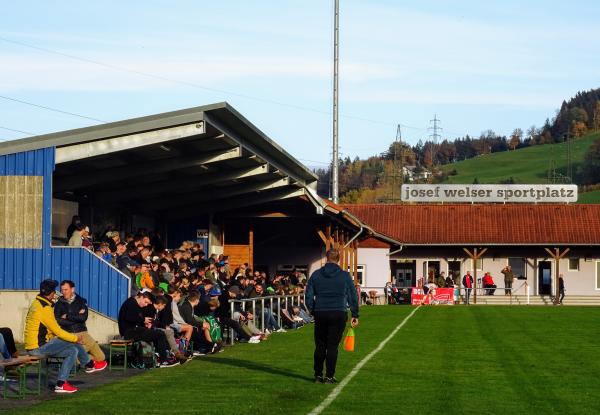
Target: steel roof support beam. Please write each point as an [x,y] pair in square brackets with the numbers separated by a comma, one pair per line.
[221,205]
[127,142]
[164,166]
[211,194]
[190,185]
[246,144]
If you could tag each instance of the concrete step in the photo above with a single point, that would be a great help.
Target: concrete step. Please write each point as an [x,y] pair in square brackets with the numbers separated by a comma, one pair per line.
[581,300]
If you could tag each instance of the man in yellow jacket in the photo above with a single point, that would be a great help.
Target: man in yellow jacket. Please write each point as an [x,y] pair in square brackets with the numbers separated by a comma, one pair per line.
[43,336]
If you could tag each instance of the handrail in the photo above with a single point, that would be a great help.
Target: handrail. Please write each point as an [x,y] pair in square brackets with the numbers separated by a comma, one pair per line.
[254,300]
[512,290]
[101,259]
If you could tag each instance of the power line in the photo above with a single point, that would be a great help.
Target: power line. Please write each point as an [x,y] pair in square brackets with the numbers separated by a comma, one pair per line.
[14,131]
[315,161]
[50,108]
[195,85]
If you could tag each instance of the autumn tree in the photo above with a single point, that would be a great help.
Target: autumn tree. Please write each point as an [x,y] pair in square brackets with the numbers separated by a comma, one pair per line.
[515,138]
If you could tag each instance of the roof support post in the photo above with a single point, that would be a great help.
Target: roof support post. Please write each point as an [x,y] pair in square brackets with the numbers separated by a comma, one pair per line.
[475,255]
[557,255]
[355,262]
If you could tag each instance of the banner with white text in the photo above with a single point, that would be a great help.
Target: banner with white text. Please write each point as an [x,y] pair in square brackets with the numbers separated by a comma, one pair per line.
[489,193]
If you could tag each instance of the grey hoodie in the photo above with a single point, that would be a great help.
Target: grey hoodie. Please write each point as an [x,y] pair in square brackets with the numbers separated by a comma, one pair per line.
[331,289]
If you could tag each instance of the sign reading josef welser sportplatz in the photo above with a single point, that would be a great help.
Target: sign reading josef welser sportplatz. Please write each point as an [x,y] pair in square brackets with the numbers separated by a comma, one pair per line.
[490,193]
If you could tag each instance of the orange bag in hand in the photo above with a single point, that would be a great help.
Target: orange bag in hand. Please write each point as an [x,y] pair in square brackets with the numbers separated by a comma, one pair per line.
[349,340]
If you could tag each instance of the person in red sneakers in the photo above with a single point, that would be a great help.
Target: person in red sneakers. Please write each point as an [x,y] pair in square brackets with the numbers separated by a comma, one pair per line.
[44,337]
[71,313]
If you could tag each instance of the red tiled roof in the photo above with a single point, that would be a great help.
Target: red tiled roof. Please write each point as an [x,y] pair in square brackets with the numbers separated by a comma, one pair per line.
[372,242]
[484,224]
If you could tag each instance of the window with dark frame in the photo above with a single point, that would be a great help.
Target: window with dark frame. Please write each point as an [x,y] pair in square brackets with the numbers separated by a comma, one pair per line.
[360,273]
[518,267]
[573,264]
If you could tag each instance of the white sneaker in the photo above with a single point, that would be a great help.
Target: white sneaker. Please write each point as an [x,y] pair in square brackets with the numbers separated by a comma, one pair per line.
[281,330]
[168,364]
[267,332]
[254,341]
[255,338]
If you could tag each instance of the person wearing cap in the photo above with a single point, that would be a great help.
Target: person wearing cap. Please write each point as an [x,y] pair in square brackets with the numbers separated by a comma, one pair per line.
[328,292]
[43,336]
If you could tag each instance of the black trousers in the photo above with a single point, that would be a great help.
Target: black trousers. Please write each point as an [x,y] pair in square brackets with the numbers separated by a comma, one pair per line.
[229,322]
[329,328]
[156,337]
[490,289]
[9,340]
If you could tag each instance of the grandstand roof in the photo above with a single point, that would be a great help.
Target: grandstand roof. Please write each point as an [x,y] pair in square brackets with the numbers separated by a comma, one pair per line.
[186,162]
[492,224]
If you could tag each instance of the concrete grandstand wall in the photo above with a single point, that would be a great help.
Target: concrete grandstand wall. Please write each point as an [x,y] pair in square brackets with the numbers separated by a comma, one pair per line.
[15,304]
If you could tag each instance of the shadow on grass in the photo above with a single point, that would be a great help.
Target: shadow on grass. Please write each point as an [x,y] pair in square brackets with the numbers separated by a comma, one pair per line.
[259,367]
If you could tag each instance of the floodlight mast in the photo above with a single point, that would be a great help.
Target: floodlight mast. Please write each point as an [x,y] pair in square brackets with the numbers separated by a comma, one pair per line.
[335,156]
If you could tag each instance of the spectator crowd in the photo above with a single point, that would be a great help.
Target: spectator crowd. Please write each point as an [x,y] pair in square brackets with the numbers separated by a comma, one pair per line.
[182,304]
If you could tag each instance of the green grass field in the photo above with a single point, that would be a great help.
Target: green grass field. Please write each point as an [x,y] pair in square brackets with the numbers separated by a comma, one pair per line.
[444,360]
[528,165]
[589,197]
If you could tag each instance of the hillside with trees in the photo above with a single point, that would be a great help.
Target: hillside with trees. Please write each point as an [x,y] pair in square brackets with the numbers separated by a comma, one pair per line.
[375,180]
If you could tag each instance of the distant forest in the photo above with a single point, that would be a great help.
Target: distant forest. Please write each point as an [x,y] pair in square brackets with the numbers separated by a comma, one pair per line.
[369,179]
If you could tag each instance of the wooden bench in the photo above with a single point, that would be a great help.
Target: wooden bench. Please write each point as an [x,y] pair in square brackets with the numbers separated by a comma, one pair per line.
[118,348]
[17,368]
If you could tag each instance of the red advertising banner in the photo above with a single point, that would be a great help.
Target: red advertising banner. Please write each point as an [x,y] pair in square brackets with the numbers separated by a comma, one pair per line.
[434,297]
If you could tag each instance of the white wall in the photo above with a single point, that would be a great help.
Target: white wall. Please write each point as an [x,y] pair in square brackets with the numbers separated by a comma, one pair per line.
[581,282]
[15,304]
[295,255]
[377,267]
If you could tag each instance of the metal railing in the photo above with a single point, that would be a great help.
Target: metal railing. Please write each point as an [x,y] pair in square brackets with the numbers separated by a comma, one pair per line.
[250,304]
[482,291]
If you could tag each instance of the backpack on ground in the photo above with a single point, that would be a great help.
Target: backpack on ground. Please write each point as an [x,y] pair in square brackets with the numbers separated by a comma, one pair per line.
[143,355]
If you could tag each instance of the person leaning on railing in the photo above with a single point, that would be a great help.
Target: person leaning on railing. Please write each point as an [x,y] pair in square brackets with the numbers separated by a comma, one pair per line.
[224,312]
[270,322]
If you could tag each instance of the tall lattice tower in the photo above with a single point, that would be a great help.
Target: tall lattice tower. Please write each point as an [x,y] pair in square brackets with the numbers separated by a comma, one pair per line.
[435,137]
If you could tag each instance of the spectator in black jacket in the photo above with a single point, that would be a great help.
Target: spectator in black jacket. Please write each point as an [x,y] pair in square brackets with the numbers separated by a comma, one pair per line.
[223,313]
[161,302]
[201,345]
[134,325]
[71,312]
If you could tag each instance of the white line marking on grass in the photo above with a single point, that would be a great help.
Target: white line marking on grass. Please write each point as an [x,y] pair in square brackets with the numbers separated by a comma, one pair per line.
[338,389]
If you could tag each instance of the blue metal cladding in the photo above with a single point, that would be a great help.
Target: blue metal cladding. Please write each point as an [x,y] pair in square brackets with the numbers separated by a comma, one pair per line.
[185,230]
[102,285]
[26,268]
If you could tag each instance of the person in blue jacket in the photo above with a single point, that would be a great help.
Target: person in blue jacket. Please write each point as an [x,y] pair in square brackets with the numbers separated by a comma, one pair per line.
[329,292]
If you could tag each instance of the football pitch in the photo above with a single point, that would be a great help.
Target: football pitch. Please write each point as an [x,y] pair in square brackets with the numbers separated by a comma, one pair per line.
[455,360]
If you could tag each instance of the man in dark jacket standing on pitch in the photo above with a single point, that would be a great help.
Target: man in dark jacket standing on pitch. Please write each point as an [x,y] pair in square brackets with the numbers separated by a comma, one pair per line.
[329,292]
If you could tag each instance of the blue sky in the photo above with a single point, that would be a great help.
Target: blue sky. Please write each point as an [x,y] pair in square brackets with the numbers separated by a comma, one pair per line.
[477,65]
